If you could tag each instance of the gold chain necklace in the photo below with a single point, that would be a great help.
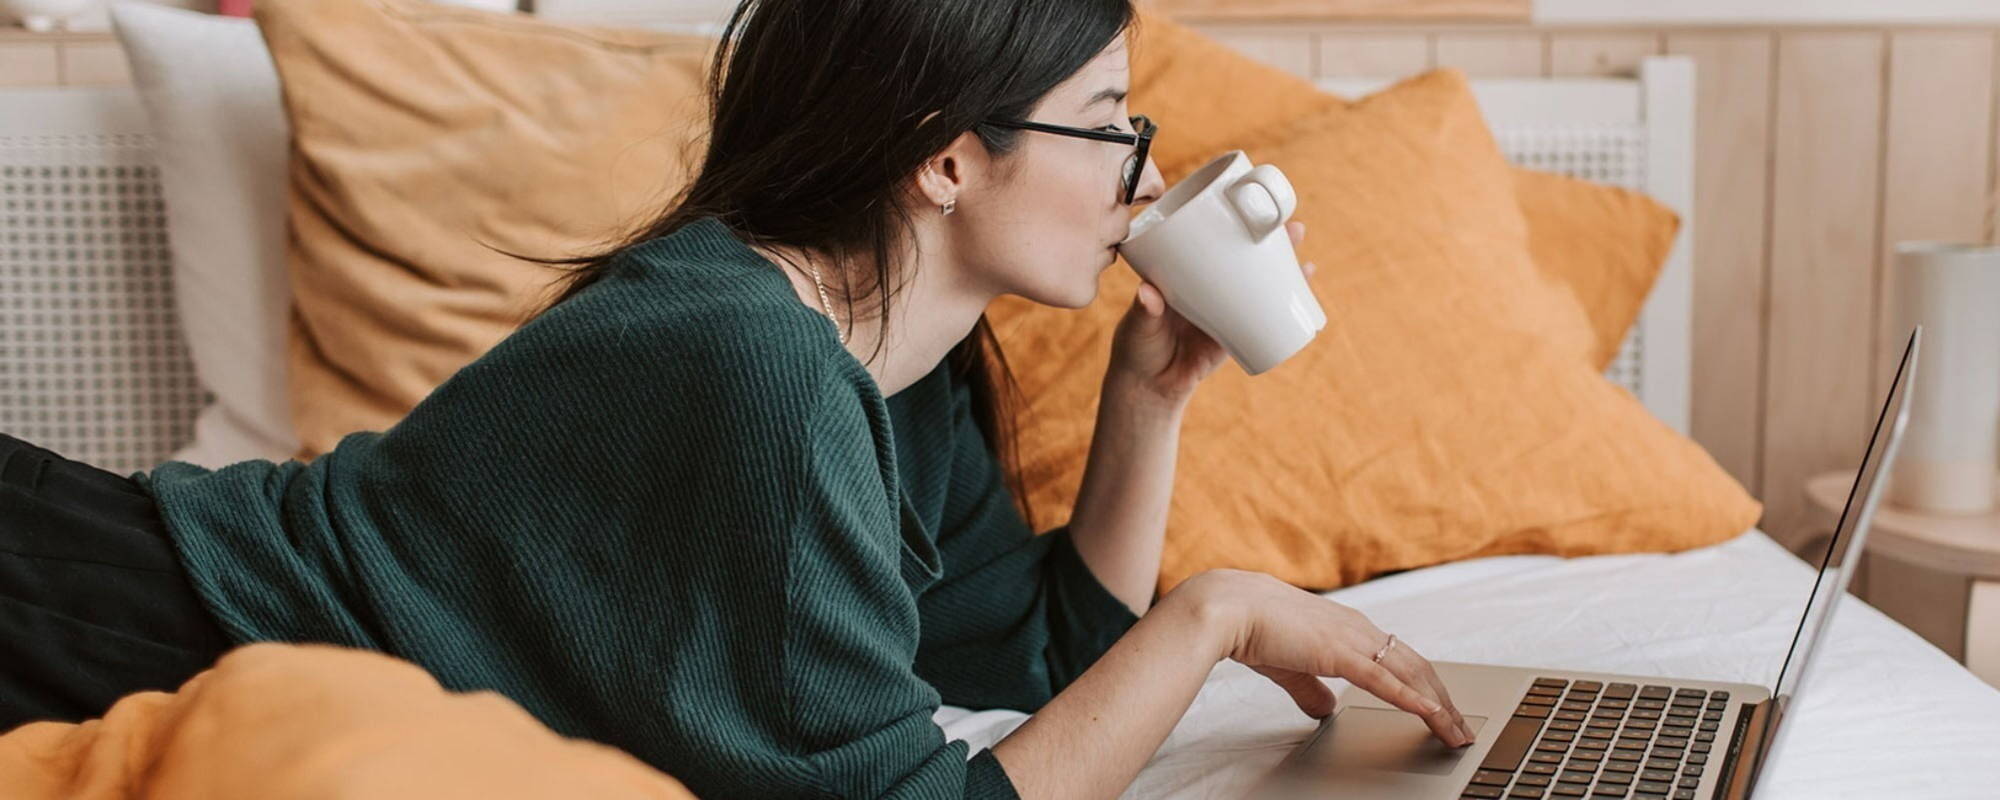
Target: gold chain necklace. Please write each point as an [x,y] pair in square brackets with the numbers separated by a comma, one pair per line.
[825,305]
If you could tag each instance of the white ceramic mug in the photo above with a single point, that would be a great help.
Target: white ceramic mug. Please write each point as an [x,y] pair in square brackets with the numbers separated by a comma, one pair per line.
[1216,247]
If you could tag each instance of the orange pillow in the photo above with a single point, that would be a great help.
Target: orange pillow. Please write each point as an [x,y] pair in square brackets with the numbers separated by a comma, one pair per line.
[1447,411]
[1606,243]
[422,133]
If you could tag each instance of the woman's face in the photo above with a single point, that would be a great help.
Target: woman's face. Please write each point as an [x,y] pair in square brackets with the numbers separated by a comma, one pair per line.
[1044,221]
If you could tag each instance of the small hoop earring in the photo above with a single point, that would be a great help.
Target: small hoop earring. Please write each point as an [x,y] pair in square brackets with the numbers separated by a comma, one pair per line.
[949,206]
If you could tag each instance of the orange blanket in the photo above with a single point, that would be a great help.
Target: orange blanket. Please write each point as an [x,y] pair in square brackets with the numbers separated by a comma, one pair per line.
[297,721]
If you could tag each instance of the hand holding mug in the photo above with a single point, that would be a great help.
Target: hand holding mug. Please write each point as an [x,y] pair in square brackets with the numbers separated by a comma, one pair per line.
[1164,353]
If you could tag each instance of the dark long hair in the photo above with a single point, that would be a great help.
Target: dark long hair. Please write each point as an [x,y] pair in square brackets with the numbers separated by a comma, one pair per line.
[821,111]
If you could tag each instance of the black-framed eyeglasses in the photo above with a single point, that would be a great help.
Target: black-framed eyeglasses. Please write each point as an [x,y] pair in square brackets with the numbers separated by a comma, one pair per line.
[1141,140]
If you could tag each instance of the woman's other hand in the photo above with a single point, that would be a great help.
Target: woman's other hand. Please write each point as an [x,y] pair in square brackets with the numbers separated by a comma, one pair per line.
[1295,637]
[1162,354]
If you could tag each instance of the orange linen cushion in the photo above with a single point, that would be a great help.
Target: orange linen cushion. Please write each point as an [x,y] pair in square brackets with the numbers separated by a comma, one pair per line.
[298,721]
[1606,243]
[422,133]
[1449,410]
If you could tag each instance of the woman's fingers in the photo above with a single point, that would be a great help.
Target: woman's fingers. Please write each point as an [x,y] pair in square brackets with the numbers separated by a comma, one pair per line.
[1383,683]
[1421,672]
[1312,696]
[1297,230]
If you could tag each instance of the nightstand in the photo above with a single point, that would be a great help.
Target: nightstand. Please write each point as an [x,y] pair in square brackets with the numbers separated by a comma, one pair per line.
[1938,575]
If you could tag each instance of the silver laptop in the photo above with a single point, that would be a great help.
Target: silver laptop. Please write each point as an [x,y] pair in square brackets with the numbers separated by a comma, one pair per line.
[1565,735]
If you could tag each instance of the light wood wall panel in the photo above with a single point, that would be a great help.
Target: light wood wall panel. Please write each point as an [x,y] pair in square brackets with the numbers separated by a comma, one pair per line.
[1600,53]
[1937,170]
[1364,55]
[1346,9]
[1732,181]
[1290,51]
[28,64]
[1493,55]
[1825,216]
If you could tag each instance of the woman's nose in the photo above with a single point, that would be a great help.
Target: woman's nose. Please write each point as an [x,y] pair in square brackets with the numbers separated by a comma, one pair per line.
[1151,184]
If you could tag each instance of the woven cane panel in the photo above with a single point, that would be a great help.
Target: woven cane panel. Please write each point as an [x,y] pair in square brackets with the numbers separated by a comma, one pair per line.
[92,363]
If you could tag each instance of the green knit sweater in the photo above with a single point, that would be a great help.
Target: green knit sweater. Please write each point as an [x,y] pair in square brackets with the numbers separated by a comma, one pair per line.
[673,515]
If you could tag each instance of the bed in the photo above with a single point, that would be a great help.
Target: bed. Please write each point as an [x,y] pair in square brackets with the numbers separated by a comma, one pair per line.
[1886,713]
[93,365]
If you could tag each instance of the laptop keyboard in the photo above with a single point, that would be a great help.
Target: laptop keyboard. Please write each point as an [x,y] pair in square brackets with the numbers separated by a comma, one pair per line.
[1586,739]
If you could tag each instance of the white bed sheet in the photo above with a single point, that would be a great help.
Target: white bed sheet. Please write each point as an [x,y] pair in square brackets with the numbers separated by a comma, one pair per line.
[1886,713]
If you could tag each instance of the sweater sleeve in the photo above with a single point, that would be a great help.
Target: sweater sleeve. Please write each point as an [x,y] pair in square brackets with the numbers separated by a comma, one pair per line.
[1016,617]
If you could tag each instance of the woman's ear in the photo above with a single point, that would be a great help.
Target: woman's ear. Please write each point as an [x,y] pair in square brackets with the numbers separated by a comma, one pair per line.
[946,175]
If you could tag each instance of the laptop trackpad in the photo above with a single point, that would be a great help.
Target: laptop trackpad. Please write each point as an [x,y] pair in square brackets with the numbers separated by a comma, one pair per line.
[1388,740]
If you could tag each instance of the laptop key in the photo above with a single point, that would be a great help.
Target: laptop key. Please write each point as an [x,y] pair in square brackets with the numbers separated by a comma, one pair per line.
[1657,775]
[1652,692]
[1697,759]
[1684,794]
[1532,780]
[1514,741]
[1565,725]
[1667,764]
[1620,690]
[1527,792]
[1555,682]
[1537,712]
[1576,776]
[1483,792]
[1720,695]
[1491,777]
[1699,746]
[1615,777]
[1621,766]
[1588,686]
[1568,790]
[1690,781]
[1609,790]
[1542,769]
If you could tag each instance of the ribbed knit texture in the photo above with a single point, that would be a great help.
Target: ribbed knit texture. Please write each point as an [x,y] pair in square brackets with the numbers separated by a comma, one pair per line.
[673,515]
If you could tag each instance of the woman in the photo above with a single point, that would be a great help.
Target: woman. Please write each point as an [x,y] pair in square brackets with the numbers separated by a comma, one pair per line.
[731,503]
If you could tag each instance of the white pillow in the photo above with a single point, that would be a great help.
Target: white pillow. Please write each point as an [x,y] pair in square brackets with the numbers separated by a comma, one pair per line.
[212,94]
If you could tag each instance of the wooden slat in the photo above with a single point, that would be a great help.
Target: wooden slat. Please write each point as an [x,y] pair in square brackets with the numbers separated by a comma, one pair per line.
[1373,55]
[1517,10]
[1992,226]
[1732,174]
[1825,187]
[1291,52]
[1937,166]
[1493,55]
[1600,53]
[28,63]
[94,64]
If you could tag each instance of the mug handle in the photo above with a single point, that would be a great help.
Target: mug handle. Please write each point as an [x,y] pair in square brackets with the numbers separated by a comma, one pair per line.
[1264,199]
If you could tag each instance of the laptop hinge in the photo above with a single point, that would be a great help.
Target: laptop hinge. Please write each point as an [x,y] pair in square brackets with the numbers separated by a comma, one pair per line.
[1746,748]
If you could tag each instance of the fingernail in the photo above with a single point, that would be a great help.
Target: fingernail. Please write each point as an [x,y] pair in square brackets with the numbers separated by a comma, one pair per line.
[1432,707]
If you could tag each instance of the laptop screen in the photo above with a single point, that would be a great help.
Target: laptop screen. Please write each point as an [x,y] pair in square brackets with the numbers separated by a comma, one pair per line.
[1843,550]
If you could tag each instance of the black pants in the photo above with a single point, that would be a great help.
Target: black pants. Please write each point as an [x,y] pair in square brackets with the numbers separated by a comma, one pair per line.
[94,603]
